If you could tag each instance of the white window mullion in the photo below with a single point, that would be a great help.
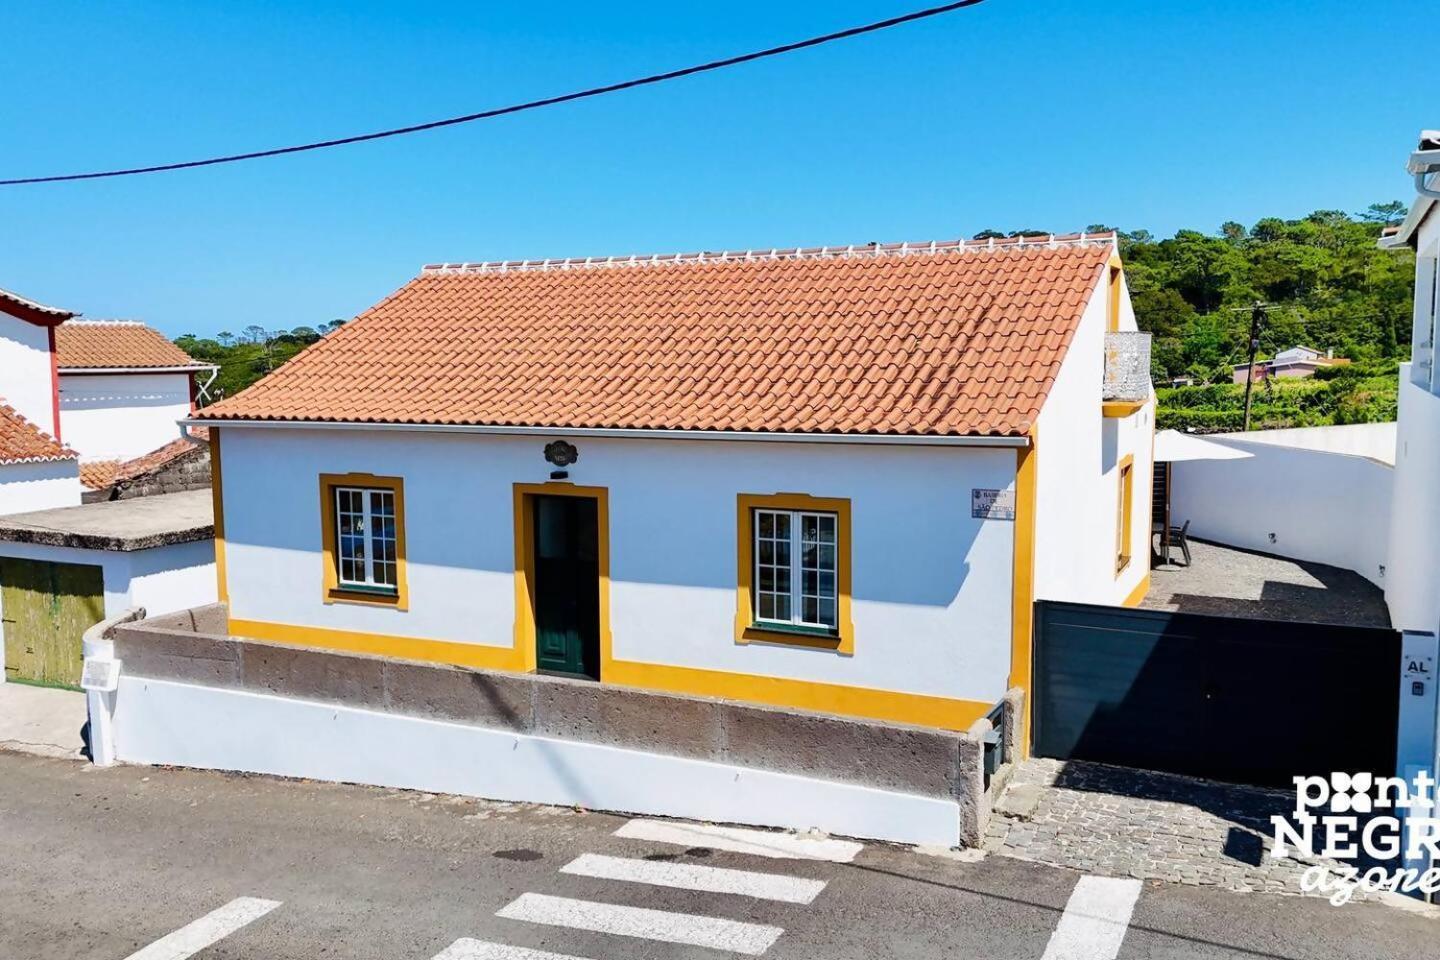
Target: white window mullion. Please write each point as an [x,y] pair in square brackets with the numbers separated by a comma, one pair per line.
[797,569]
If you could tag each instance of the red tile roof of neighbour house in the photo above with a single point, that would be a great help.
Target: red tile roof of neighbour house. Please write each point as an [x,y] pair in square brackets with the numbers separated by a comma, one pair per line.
[100,474]
[956,338]
[31,310]
[102,344]
[23,442]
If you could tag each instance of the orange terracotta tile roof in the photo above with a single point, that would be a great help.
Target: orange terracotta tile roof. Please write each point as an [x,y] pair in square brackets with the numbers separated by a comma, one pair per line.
[23,442]
[957,338]
[99,344]
[100,474]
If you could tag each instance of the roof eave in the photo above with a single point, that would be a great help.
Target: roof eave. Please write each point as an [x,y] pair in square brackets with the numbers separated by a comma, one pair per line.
[638,433]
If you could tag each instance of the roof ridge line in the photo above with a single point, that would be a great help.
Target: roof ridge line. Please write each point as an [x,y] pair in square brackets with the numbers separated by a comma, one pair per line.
[1047,241]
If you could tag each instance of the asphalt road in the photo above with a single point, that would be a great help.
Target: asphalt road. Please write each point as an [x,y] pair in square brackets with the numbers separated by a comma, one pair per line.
[99,864]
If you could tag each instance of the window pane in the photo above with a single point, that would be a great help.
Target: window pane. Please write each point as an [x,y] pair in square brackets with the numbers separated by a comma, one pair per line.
[812,614]
[827,584]
[827,556]
[808,555]
[782,526]
[782,553]
[767,606]
[827,613]
[809,527]
[767,524]
[767,551]
[827,528]
[782,579]
[808,582]
[767,579]
[782,607]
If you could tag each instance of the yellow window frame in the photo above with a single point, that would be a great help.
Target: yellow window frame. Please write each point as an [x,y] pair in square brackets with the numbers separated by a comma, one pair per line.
[333,592]
[1125,523]
[746,628]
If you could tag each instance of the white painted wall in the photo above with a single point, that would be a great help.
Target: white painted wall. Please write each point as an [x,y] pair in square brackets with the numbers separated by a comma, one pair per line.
[164,722]
[1306,504]
[118,416]
[1078,479]
[931,587]
[1373,440]
[161,579]
[39,486]
[1412,580]
[25,376]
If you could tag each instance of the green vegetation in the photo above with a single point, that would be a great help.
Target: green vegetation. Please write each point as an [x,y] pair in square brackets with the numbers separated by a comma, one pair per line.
[255,352]
[1327,285]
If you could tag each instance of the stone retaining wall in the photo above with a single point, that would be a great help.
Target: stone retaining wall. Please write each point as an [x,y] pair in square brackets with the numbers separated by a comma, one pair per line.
[194,647]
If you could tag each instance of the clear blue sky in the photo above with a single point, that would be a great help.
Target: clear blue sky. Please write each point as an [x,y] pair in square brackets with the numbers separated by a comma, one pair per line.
[1049,114]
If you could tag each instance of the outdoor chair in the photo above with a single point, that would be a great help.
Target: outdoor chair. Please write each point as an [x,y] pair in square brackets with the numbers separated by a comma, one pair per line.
[1177,538]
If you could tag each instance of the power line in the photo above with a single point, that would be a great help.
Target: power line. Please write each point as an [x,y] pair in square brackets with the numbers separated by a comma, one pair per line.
[514,108]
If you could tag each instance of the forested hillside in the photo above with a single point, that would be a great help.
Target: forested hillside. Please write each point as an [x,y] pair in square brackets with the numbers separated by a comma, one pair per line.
[1323,280]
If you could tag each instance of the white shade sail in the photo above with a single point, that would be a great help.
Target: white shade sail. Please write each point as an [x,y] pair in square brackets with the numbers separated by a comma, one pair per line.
[1173,446]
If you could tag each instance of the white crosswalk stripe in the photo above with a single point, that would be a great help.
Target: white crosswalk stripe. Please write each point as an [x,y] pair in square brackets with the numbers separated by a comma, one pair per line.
[211,928]
[690,876]
[751,939]
[467,949]
[760,843]
[1095,920]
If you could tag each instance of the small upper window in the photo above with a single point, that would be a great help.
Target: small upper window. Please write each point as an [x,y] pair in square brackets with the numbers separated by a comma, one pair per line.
[796,568]
[365,533]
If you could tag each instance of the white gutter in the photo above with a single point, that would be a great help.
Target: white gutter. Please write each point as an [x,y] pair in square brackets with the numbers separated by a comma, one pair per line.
[193,368]
[624,433]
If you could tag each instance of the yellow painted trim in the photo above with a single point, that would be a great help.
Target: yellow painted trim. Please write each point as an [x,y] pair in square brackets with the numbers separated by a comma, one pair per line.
[1119,409]
[217,501]
[745,632]
[525,651]
[926,711]
[1022,590]
[382,645]
[1112,320]
[331,591]
[1125,532]
[1138,594]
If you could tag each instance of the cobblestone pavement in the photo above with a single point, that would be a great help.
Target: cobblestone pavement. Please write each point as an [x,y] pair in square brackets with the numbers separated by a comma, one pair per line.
[1119,822]
[1226,581]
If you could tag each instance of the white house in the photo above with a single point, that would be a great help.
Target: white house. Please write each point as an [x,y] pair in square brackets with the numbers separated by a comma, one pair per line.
[1412,586]
[36,469]
[123,387]
[829,478]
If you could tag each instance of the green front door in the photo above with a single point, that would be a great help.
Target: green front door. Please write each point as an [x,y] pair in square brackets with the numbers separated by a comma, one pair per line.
[46,607]
[567,586]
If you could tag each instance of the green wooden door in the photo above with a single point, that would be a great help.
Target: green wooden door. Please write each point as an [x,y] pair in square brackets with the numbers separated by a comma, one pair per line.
[46,607]
[567,586]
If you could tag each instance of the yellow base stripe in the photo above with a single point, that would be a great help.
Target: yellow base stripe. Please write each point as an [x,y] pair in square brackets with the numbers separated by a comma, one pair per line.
[382,645]
[1138,594]
[866,702]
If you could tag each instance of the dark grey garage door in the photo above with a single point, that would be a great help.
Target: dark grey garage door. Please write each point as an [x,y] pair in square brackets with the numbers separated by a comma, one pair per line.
[1243,701]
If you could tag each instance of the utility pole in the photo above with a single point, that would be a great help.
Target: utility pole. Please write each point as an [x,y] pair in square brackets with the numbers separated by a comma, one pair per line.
[1257,317]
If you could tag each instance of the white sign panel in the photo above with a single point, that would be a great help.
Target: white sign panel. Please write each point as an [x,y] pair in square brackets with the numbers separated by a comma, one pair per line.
[992,504]
[101,676]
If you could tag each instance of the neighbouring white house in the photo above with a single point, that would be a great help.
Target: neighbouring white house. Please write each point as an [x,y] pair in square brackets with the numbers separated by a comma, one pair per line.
[66,568]
[37,470]
[832,479]
[1412,586]
[123,388]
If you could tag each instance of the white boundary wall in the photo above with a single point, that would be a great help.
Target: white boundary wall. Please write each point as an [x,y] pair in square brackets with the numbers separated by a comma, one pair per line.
[163,722]
[39,486]
[1373,440]
[25,375]
[1311,505]
[1412,585]
[119,416]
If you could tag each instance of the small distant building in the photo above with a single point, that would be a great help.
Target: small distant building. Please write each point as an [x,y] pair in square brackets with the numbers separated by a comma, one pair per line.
[1295,363]
[123,387]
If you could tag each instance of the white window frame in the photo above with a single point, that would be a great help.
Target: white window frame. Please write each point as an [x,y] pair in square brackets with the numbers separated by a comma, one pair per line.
[1427,319]
[796,568]
[372,579]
